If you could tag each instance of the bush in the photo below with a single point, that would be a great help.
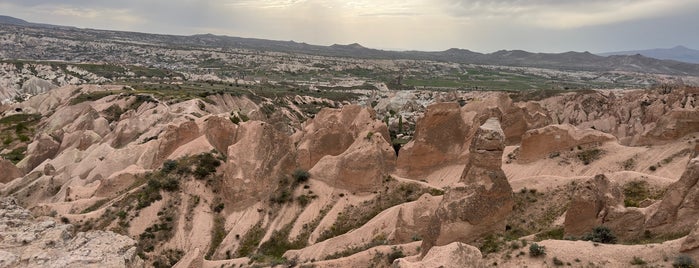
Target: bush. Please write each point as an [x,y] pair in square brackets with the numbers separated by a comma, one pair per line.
[206,165]
[169,166]
[171,184]
[587,156]
[600,234]
[396,254]
[535,250]
[638,261]
[684,261]
[300,176]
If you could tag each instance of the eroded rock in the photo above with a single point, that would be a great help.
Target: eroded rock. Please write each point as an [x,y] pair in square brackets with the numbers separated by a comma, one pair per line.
[479,203]
[29,243]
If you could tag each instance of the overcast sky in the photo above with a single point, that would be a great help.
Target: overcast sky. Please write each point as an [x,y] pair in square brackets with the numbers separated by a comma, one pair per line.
[484,26]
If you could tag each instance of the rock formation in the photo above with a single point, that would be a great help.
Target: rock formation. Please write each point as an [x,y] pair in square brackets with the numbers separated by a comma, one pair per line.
[29,243]
[361,167]
[256,161]
[678,210]
[333,131]
[453,255]
[9,171]
[441,137]
[635,117]
[540,143]
[481,200]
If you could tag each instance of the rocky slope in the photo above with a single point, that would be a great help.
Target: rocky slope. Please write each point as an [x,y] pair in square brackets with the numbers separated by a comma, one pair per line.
[224,180]
[29,242]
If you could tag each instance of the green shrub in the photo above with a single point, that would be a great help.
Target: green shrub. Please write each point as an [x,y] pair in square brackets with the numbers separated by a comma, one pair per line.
[169,166]
[303,200]
[394,255]
[600,234]
[300,176]
[235,119]
[638,261]
[587,156]
[491,244]
[535,250]
[684,261]
[171,184]
[206,165]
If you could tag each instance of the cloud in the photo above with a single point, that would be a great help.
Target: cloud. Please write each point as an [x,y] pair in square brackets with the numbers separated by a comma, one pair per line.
[565,14]
[539,25]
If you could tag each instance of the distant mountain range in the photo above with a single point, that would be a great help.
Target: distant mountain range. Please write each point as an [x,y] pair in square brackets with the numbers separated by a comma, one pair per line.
[578,61]
[20,22]
[678,53]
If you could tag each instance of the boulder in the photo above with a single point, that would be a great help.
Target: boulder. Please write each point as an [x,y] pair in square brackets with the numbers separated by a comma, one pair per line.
[361,167]
[482,199]
[540,143]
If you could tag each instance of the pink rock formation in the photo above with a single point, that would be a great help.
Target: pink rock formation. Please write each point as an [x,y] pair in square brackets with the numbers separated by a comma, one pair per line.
[9,171]
[332,131]
[479,203]
[361,167]
[441,137]
[678,210]
[540,143]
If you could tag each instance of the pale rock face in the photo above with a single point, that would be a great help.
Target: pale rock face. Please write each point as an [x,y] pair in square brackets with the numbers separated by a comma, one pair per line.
[540,143]
[9,171]
[361,167]
[678,210]
[333,131]
[256,161]
[174,137]
[453,255]
[479,203]
[44,147]
[599,201]
[220,132]
[590,204]
[29,243]
[690,245]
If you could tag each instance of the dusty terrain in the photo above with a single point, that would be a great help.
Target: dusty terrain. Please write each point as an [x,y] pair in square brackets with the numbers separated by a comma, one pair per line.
[467,179]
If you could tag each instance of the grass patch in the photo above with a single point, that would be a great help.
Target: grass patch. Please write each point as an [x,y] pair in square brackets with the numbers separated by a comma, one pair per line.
[92,96]
[555,233]
[636,192]
[95,206]
[250,240]
[589,155]
[218,233]
[376,241]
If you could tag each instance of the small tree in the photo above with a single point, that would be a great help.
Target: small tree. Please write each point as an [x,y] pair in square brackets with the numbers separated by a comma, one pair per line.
[535,250]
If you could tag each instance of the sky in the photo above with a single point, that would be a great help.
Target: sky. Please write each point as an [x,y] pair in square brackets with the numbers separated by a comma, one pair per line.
[434,25]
